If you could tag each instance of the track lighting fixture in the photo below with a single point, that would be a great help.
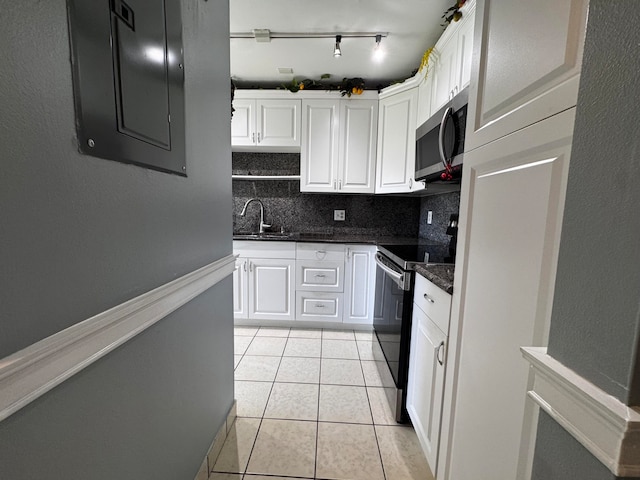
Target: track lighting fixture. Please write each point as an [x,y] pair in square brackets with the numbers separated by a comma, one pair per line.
[378,52]
[336,51]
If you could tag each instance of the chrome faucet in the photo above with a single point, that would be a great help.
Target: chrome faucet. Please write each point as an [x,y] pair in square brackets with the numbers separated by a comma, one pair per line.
[244,212]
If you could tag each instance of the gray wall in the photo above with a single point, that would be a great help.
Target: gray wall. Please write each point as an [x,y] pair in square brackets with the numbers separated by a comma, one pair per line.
[312,212]
[595,320]
[80,235]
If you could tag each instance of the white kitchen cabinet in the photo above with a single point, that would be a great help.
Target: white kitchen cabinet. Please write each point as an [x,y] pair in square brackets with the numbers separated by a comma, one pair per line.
[264,282]
[395,166]
[425,384]
[527,69]
[338,145]
[320,281]
[240,287]
[508,241]
[425,93]
[271,288]
[452,54]
[360,283]
[266,123]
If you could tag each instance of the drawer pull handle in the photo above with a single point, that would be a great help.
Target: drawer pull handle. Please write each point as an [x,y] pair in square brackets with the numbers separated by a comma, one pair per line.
[320,275]
[320,305]
[429,299]
[440,347]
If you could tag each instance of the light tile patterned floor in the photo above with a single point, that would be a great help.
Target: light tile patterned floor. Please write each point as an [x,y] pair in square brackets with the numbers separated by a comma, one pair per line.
[313,405]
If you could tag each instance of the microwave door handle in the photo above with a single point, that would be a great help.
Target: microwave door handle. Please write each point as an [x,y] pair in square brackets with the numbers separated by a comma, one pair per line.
[447,113]
[397,277]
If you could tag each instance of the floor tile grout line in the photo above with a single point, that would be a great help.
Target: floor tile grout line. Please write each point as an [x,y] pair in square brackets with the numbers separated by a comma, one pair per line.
[315,457]
[375,432]
[255,440]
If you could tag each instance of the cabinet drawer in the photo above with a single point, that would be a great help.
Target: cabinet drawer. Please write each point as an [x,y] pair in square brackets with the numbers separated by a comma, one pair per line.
[319,276]
[433,301]
[321,252]
[319,306]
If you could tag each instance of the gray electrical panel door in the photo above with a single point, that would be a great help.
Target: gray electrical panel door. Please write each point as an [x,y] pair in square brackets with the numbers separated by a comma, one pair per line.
[129,81]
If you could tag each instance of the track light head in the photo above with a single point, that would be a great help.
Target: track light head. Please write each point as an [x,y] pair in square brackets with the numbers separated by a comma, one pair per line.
[336,51]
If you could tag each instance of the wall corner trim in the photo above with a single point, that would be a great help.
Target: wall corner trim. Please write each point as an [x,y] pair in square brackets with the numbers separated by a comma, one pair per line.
[605,426]
[36,369]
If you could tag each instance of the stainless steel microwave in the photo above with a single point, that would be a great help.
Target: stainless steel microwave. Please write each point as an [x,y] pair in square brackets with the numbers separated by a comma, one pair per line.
[440,142]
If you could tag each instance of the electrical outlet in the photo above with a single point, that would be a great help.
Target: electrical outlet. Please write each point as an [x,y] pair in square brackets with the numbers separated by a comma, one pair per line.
[338,215]
[429,217]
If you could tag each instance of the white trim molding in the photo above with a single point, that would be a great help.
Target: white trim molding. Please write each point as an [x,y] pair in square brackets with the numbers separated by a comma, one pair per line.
[605,426]
[33,371]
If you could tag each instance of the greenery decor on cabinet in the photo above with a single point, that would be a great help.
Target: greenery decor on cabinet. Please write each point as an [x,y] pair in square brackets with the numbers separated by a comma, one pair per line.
[347,87]
[453,13]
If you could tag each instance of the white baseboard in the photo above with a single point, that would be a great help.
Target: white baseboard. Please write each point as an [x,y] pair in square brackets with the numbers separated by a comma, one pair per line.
[605,426]
[33,371]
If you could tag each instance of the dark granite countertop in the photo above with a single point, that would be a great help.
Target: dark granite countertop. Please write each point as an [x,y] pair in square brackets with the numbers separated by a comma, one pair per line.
[440,275]
[366,238]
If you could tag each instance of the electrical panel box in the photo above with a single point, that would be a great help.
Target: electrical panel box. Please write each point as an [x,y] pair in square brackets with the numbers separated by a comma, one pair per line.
[128,79]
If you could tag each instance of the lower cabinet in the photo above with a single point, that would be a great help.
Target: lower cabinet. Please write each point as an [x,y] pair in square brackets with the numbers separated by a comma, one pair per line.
[425,385]
[319,282]
[359,284]
[264,286]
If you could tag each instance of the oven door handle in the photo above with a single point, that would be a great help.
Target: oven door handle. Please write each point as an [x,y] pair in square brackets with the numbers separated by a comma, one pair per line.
[397,277]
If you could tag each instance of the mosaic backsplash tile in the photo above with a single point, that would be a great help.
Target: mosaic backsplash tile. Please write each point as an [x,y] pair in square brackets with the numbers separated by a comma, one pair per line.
[286,207]
[442,206]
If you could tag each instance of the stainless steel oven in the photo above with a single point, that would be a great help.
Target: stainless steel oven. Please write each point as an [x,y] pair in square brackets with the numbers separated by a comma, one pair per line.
[395,279]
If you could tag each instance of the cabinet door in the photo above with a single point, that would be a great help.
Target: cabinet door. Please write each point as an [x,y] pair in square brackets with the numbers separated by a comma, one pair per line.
[526,65]
[278,123]
[240,297]
[271,289]
[426,383]
[510,223]
[464,51]
[445,73]
[243,127]
[358,136]
[360,284]
[397,142]
[425,92]
[320,148]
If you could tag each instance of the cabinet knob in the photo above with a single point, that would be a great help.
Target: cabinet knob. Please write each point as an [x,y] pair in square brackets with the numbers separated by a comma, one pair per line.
[429,299]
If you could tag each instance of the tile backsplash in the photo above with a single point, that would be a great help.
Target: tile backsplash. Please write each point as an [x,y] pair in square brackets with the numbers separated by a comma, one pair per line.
[286,207]
[442,207]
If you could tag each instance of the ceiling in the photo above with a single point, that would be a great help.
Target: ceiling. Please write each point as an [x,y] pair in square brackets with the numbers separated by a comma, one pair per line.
[412,27]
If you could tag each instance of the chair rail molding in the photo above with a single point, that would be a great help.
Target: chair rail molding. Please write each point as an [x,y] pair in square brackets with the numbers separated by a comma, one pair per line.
[605,426]
[36,369]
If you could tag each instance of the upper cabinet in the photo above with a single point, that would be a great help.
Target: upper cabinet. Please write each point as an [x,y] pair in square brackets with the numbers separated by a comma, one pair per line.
[266,124]
[395,165]
[338,145]
[452,58]
[533,68]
